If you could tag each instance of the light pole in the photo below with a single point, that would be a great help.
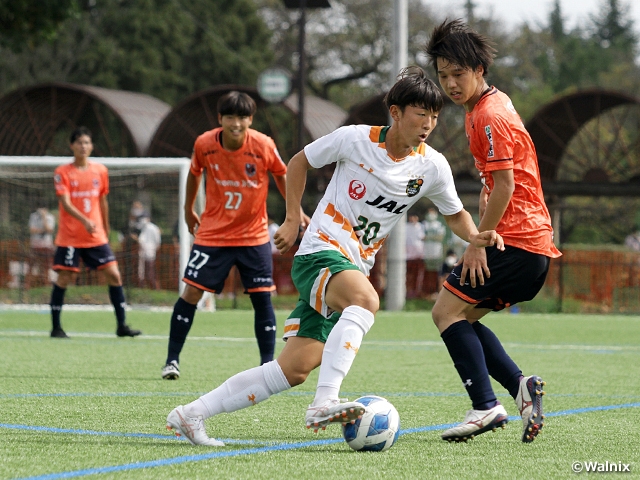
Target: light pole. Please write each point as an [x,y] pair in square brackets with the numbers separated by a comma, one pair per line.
[302,5]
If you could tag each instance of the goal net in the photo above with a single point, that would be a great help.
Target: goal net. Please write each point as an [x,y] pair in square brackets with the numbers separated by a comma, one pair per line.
[141,190]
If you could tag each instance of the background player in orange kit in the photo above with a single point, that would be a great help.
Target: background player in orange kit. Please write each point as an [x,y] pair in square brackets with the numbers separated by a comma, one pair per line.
[233,228]
[82,188]
[512,203]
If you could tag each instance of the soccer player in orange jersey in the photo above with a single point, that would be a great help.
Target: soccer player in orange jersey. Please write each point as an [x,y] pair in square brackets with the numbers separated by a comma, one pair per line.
[82,188]
[233,228]
[512,203]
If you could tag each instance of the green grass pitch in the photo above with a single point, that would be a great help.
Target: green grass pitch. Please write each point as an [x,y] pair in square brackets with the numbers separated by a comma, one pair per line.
[95,405]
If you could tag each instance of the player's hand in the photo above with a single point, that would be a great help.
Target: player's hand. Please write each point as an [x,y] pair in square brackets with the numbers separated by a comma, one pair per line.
[286,236]
[488,238]
[193,221]
[474,264]
[474,259]
[90,226]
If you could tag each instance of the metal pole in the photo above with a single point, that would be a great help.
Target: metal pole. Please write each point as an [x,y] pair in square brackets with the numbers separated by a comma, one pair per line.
[302,72]
[396,289]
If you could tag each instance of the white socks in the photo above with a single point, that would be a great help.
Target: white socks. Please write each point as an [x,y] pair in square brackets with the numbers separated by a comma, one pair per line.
[240,391]
[340,350]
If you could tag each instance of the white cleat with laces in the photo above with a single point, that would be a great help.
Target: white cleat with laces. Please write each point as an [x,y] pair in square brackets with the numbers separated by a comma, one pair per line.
[477,422]
[191,428]
[332,411]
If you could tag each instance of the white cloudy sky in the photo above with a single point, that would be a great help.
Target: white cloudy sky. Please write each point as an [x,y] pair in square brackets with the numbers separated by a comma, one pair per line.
[574,11]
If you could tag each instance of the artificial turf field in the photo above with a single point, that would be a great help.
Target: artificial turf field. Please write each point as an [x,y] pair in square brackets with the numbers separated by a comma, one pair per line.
[95,406]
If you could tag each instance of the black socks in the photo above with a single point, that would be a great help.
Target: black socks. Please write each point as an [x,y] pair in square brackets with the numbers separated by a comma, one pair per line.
[499,364]
[264,324]
[467,354]
[57,300]
[181,321]
[116,295]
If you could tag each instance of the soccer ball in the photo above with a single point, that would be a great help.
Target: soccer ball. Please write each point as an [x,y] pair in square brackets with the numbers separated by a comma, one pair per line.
[377,430]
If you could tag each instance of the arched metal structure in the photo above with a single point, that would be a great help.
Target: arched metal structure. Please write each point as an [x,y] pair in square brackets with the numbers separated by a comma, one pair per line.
[554,126]
[37,120]
[198,113]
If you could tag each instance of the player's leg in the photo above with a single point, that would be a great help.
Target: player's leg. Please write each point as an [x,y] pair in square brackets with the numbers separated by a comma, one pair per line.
[449,314]
[298,358]
[102,259]
[329,283]
[521,267]
[66,262]
[255,265]
[207,270]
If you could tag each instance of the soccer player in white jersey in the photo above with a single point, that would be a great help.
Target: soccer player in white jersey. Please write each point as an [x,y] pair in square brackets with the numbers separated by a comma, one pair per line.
[380,173]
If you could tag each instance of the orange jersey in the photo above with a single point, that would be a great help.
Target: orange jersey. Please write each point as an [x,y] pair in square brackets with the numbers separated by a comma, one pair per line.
[235,214]
[85,188]
[499,141]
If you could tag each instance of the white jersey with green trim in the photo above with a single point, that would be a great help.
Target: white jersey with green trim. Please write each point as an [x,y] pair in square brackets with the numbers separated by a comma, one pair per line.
[369,191]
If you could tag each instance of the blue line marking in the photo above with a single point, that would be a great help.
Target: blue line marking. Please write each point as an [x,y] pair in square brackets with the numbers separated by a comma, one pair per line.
[270,448]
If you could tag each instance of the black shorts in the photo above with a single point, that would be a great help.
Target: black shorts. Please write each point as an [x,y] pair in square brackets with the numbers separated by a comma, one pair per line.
[209,267]
[96,258]
[516,276]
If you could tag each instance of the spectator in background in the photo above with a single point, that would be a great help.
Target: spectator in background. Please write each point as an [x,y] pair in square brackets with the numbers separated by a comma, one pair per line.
[633,241]
[41,226]
[149,243]
[415,256]
[272,226]
[434,234]
[136,214]
[445,269]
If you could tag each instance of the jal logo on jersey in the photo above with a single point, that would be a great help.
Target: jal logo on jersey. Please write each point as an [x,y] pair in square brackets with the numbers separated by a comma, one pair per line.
[357,189]
[413,187]
[250,168]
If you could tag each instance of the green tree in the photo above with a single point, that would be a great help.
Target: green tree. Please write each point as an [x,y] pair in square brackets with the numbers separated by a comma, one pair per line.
[165,48]
[28,23]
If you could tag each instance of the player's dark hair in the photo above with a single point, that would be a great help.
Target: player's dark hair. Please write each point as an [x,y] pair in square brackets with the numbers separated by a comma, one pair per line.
[457,43]
[78,132]
[236,103]
[414,89]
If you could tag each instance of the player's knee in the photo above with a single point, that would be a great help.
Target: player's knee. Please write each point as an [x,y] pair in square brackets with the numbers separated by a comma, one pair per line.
[296,376]
[191,294]
[368,300]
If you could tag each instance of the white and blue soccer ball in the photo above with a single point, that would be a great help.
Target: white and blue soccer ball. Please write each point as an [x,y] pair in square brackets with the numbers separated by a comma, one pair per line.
[377,430]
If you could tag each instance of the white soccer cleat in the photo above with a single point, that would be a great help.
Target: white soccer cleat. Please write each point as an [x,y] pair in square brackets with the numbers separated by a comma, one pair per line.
[171,371]
[477,422]
[191,428]
[319,416]
[529,403]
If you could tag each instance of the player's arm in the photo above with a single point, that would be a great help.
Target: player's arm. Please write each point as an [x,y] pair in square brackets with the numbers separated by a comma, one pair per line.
[65,201]
[474,260]
[496,205]
[104,208]
[296,182]
[190,215]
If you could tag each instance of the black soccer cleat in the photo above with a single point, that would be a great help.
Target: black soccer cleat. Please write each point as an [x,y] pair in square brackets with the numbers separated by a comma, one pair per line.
[58,333]
[126,331]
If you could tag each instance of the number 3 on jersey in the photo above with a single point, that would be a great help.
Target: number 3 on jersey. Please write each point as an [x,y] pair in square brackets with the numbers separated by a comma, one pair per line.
[234,199]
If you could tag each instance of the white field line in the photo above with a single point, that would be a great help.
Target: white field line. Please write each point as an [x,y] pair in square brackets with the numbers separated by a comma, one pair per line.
[385,343]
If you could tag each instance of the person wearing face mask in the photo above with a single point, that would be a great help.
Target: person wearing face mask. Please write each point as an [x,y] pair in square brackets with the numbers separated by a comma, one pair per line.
[434,231]
[149,240]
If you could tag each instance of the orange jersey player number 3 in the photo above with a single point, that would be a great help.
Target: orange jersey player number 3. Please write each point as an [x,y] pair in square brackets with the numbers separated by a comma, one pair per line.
[85,187]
